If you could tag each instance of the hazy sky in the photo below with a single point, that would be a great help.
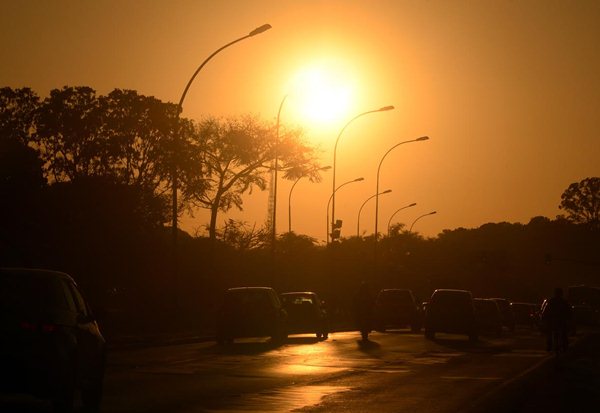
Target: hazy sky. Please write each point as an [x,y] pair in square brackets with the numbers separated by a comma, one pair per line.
[508,91]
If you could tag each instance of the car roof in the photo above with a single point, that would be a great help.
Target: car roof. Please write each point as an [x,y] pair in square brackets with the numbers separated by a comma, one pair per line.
[451,291]
[250,288]
[38,272]
[395,289]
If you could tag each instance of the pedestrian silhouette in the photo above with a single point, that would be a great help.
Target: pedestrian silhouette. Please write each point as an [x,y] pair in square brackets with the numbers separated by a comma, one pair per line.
[556,318]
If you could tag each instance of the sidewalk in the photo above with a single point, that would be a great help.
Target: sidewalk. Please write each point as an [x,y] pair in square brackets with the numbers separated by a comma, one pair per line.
[567,385]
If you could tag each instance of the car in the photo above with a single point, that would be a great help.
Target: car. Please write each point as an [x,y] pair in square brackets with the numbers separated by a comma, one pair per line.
[397,308]
[306,314]
[50,344]
[525,314]
[451,311]
[508,318]
[251,312]
[489,317]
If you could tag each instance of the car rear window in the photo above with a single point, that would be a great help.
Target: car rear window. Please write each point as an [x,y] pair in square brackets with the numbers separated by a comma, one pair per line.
[297,299]
[31,291]
[450,298]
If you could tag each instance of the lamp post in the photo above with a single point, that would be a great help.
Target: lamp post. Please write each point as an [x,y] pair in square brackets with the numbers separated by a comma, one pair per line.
[398,210]
[387,191]
[424,215]
[325,168]
[422,138]
[274,218]
[174,177]
[329,202]
[333,189]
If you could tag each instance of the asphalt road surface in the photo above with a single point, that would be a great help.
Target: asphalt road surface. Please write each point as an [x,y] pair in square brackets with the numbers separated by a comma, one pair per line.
[392,372]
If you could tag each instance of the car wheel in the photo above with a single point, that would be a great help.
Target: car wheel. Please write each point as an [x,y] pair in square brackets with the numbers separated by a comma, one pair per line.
[92,389]
[91,396]
[63,401]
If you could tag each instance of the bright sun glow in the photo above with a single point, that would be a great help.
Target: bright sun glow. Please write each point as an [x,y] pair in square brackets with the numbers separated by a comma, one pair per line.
[322,95]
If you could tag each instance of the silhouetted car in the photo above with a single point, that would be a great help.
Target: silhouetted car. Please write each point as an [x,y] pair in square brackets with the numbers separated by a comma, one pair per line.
[489,317]
[251,312]
[306,314]
[397,308]
[50,343]
[508,318]
[451,311]
[524,314]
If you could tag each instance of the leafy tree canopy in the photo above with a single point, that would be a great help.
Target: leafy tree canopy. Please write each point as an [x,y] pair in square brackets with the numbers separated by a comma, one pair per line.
[581,202]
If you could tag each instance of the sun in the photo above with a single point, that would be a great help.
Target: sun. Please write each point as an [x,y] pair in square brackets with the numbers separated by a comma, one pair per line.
[322,95]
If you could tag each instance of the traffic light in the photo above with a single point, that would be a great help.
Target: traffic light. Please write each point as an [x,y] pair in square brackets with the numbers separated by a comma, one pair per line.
[336,230]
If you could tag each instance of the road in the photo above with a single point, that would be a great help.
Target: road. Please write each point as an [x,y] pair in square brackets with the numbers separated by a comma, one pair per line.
[394,371]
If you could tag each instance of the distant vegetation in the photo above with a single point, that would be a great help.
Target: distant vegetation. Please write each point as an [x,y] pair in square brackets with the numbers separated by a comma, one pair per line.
[85,183]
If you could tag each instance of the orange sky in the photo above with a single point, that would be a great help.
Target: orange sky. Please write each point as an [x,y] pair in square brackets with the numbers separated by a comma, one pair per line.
[508,91]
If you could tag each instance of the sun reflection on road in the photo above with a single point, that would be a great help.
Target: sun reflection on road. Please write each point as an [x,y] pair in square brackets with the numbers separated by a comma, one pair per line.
[282,400]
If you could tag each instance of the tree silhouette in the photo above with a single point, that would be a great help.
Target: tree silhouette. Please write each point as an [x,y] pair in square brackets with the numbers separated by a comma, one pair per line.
[581,201]
[21,179]
[235,156]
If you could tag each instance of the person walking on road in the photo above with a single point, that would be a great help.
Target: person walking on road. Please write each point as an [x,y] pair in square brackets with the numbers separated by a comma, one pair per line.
[556,318]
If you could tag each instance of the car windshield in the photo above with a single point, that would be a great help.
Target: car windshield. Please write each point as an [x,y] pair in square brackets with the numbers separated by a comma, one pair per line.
[31,291]
[297,299]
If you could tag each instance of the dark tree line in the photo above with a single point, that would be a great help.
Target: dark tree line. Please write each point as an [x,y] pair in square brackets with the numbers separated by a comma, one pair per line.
[85,181]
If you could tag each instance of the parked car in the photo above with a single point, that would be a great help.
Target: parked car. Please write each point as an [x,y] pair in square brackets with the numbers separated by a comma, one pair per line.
[525,314]
[451,311]
[397,308]
[251,312]
[508,318]
[489,317]
[50,343]
[306,314]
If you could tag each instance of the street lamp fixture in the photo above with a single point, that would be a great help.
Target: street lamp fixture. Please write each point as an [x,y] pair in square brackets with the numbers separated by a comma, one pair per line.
[174,177]
[382,109]
[325,168]
[387,191]
[329,202]
[422,138]
[418,218]
[398,210]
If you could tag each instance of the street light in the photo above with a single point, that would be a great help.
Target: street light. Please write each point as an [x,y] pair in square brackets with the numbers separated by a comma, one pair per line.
[329,202]
[424,215]
[422,138]
[174,177]
[274,218]
[382,109]
[387,191]
[398,210]
[325,168]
